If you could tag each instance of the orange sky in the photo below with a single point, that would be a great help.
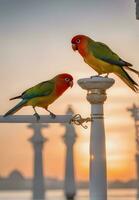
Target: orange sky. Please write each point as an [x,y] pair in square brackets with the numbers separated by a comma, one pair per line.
[35,46]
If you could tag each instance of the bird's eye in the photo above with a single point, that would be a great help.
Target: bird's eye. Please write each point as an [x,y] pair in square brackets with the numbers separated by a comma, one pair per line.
[78,40]
[67,79]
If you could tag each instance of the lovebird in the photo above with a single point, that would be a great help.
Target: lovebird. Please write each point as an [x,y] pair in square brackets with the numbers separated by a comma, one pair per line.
[103,60]
[43,94]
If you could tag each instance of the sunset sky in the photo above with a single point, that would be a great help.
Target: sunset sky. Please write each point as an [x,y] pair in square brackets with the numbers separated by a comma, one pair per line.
[35,46]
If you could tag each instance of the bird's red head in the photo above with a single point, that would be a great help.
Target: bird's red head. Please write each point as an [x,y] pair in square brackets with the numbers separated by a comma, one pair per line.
[79,41]
[66,79]
[63,82]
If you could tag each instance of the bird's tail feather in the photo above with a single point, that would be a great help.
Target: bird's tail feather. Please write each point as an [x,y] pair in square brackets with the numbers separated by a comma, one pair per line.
[16,108]
[132,70]
[17,97]
[128,80]
[127,64]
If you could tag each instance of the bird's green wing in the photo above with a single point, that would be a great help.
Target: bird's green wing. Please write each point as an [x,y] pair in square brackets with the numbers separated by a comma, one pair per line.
[103,52]
[39,90]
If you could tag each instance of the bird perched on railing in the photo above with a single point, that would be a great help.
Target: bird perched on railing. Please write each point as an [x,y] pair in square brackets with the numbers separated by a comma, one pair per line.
[43,94]
[103,60]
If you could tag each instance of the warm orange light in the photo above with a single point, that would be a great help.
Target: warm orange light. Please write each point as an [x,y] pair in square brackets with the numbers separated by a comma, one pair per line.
[119,159]
[83,156]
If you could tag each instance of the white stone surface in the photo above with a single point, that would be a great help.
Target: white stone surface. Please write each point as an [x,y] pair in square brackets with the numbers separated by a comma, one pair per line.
[38,141]
[69,140]
[32,119]
[95,83]
[96,96]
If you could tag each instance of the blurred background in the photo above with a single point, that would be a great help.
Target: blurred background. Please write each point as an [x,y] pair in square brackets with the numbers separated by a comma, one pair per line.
[35,45]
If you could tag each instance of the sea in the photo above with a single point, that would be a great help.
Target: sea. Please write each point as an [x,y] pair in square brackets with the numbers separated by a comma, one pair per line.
[113,194]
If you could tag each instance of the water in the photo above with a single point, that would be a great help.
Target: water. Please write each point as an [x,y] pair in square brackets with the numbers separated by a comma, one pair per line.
[115,194]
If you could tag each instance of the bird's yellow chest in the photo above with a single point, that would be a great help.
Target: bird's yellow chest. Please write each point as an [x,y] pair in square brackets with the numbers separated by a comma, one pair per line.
[98,65]
[43,102]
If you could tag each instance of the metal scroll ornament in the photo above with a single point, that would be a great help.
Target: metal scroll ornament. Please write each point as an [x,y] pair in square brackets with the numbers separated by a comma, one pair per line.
[78,120]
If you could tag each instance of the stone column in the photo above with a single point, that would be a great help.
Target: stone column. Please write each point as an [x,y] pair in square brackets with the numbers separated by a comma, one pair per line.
[69,140]
[38,180]
[135,115]
[137,9]
[96,87]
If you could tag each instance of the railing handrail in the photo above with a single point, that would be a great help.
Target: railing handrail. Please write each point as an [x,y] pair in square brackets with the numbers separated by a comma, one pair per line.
[32,119]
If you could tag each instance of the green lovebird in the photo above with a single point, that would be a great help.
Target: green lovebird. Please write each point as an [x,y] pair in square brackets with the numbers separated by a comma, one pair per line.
[103,60]
[43,94]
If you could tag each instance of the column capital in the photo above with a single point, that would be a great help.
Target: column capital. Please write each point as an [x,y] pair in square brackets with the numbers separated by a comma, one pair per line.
[96,88]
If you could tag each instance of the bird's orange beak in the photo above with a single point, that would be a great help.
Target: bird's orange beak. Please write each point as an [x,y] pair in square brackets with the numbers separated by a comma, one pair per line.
[71,84]
[74,47]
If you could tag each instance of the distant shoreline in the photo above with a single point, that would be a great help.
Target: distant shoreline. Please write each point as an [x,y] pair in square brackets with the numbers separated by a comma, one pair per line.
[16,181]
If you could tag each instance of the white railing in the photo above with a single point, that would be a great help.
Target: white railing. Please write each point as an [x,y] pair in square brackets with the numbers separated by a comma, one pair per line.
[32,119]
[96,95]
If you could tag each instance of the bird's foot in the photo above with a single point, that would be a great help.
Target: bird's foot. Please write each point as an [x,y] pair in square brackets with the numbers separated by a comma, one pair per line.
[95,76]
[52,115]
[37,116]
[106,76]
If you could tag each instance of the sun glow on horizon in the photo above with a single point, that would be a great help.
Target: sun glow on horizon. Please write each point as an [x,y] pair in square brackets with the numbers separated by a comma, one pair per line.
[35,46]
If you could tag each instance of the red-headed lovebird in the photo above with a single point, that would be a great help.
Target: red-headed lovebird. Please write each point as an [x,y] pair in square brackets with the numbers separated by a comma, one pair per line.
[43,94]
[103,60]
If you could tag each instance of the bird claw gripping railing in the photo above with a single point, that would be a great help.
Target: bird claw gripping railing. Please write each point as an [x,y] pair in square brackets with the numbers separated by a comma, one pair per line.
[78,120]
